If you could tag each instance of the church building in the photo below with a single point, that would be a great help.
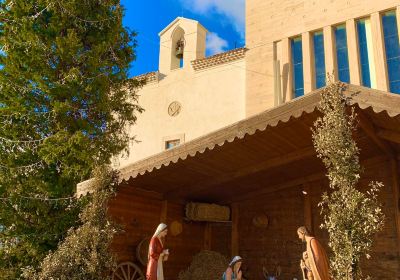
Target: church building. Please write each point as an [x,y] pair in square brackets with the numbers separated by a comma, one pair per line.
[233,131]
[289,49]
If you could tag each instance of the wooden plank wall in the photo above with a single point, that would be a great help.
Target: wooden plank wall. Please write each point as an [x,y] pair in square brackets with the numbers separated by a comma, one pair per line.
[221,238]
[385,259]
[184,246]
[279,245]
[140,214]
[276,245]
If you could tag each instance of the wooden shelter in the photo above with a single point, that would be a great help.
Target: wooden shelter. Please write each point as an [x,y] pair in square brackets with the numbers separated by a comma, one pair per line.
[262,166]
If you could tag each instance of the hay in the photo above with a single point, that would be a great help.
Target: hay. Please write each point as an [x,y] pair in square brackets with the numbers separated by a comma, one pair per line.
[206,265]
[207,212]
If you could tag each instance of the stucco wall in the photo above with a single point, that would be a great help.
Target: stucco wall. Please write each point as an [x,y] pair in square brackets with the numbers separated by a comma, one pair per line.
[210,99]
[271,21]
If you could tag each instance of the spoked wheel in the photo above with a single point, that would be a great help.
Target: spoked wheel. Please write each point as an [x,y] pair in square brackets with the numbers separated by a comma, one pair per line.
[128,271]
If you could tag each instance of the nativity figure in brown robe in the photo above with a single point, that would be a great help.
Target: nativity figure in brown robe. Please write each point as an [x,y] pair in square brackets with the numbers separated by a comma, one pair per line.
[314,263]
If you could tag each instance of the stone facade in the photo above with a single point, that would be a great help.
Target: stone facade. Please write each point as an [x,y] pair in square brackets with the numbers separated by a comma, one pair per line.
[270,25]
[208,93]
[183,103]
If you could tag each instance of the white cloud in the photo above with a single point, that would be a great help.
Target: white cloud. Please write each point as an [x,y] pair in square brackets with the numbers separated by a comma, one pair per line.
[215,44]
[233,10]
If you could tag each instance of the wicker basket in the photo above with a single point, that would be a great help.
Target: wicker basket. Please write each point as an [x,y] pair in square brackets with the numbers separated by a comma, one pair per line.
[207,212]
[260,221]
[175,228]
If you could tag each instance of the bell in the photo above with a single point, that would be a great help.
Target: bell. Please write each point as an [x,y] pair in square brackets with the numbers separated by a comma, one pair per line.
[179,52]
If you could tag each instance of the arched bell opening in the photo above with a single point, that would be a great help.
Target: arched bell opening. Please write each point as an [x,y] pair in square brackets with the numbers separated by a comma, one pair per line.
[177,48]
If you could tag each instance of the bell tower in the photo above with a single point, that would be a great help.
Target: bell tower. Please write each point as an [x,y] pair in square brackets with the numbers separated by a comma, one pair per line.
[182,41]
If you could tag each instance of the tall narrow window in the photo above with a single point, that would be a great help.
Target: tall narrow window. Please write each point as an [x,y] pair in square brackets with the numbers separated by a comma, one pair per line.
[392,46]
[297,61]
[366,53]
[342,56]
[319,59]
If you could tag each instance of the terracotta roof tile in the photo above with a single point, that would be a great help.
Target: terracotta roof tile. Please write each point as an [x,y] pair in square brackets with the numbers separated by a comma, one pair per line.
[218,59]
[150,77]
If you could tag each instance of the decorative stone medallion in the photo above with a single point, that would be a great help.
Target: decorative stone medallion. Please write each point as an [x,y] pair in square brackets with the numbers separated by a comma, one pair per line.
[174,109]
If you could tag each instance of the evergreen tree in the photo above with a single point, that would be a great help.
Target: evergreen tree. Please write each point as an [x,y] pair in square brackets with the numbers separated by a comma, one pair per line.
[65,104]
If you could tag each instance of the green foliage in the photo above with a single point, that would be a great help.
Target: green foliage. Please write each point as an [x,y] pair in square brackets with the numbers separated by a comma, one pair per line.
[351,217]
[65,103]
[84,254]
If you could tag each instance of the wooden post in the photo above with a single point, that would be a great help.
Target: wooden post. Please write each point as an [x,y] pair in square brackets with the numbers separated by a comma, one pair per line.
[308,220]
[235,229]
[396,202]
[164,211]
[207,236]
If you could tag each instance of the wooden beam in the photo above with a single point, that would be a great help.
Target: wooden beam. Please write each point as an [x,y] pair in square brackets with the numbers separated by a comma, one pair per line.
[308,217]
[235,229]
[164,211]
[369,129]
[279,187]
[207,236]
[258,167]
[295,182]
[125,188]
[390,135]
[282,139]
[396,201]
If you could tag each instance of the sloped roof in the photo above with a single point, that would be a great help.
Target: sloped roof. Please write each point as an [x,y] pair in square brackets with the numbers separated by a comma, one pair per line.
[178,19]
[218,59]
[149,77]
[378,102]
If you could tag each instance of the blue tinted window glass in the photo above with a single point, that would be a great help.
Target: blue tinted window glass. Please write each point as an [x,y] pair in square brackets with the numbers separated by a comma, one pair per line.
[363,48]
[297,61]
[395,87]
[319,59]
[392,47]
[342,56]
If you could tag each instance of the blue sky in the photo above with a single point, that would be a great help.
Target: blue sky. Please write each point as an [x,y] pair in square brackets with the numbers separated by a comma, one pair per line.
[224,19]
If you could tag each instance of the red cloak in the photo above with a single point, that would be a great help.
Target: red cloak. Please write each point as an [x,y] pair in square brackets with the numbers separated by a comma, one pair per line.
[155,250]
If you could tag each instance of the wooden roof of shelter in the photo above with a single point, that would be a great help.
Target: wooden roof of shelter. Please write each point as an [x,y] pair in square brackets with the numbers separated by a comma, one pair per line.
[273,147]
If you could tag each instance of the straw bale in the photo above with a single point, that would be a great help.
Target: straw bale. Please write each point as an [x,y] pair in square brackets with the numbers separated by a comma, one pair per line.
[207,212]
[206,265]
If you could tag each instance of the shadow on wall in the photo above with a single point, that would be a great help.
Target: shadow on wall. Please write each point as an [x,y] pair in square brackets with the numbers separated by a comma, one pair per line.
[285,81]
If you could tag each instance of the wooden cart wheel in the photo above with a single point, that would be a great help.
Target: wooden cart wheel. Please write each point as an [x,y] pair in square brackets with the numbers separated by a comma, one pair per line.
[142,251]
[127,271]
